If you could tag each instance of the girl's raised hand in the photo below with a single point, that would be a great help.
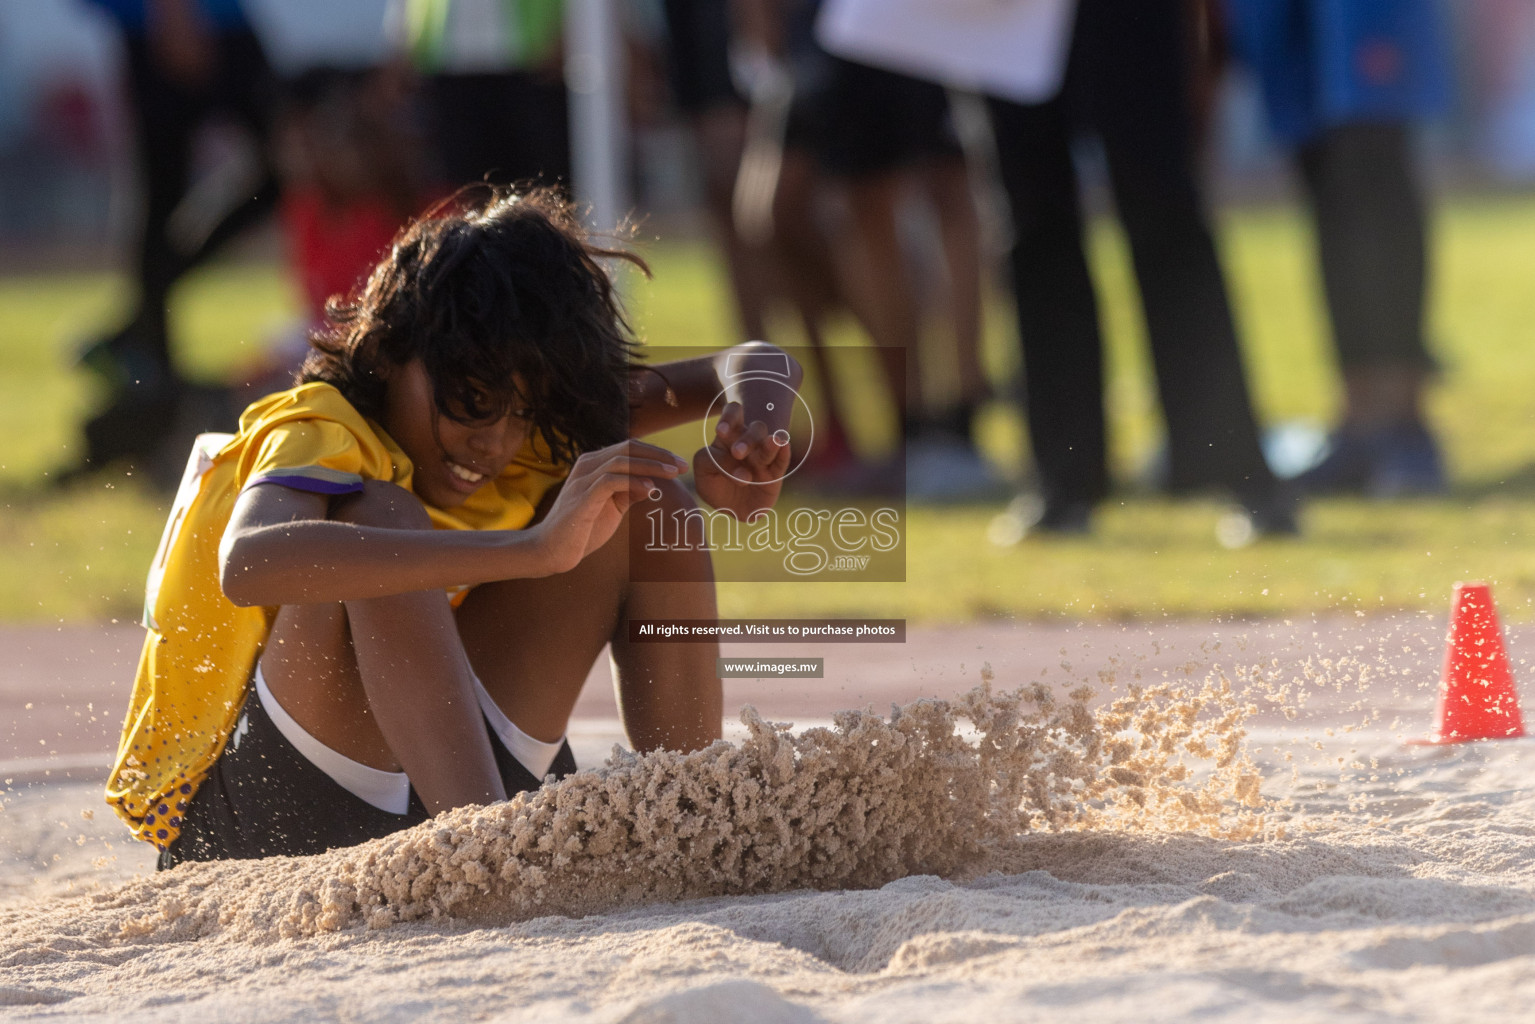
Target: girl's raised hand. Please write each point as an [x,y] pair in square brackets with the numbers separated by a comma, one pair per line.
[742,470]
[599,490]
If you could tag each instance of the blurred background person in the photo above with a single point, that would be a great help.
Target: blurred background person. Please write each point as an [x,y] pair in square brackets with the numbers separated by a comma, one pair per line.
[352,173]
[698,37]
[1499,39]
[1127,84]
[779,201]
[728,68]
[890,142]
[189,64]
[1344,81]
[886,145]
[352,176]
[493,96]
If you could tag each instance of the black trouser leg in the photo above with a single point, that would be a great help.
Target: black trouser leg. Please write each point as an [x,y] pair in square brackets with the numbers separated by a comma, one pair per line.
[512,127]
[148,390]
[1131,67]
[1371,235]
[167,116]
[1057,312]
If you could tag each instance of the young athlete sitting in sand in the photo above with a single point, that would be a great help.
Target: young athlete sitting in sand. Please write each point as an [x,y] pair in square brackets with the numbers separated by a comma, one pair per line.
[381,598]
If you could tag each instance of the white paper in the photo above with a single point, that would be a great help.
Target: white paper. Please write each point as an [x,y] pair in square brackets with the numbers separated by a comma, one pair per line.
[1014,49]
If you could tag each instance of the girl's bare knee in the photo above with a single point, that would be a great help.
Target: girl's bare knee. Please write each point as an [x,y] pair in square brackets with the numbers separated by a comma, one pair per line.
[381,503]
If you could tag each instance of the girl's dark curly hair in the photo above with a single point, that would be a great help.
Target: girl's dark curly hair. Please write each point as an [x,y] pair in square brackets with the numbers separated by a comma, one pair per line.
[490,288]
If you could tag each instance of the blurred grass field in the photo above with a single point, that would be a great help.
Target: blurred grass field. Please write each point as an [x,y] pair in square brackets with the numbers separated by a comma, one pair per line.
[80,554]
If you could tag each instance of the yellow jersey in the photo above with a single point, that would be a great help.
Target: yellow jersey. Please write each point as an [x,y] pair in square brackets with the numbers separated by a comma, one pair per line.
[201,649]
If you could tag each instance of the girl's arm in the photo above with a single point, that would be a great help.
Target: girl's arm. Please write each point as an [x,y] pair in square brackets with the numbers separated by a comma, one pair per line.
[696,383]
[280,548]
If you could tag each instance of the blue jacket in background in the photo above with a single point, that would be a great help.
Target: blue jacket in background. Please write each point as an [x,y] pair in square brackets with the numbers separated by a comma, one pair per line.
[1329,62]
[222,15]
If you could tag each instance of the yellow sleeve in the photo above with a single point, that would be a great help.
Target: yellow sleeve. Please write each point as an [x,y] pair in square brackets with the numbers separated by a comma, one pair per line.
[200,650]
[315,442]
[308,455]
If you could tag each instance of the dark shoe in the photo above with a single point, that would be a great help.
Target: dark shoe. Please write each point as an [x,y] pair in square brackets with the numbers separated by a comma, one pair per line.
[1394,462]
[1348,467]
[152,433]
[132,427]
[144,395]
[137,354]
[1407,464]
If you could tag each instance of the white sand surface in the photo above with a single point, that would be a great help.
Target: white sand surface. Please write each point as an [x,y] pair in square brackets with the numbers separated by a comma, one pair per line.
[989,861]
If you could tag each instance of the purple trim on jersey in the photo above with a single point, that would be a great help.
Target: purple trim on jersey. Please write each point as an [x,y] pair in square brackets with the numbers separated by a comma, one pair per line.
[311,484]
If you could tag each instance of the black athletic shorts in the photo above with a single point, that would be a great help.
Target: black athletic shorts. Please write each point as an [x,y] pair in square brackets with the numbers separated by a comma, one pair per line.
[265,799]
[511,127]
[861,120]
[698,52]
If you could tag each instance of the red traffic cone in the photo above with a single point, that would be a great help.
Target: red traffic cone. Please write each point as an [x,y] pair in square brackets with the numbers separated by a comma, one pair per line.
[1477,698]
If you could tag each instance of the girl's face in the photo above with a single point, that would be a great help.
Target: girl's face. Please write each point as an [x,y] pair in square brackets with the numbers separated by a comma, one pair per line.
[452,459]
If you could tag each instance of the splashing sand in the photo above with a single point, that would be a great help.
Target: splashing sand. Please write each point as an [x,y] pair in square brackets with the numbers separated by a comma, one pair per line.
[939,788]
[1087,854]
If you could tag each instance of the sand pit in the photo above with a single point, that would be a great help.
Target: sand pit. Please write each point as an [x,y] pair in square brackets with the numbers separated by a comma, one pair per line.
[1149,854]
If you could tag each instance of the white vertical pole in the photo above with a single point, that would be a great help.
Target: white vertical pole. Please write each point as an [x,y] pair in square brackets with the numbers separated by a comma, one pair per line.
[594,75]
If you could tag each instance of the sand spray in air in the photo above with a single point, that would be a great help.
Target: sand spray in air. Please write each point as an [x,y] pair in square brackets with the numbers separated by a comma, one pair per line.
[936,787]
